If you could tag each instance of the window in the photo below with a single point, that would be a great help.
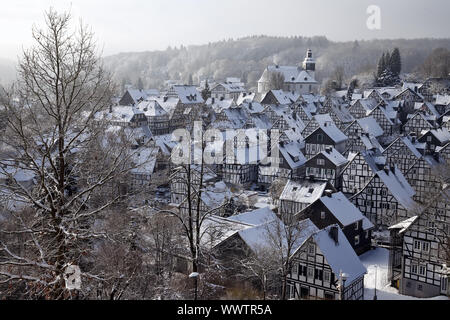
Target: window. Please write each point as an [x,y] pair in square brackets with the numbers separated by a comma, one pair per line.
[417,244]
[318,274]
[414,268]
[356,240]
[319,137]
[310,272]
[322,215]
[326,276]
[419,287]
[351,178]
[311,249]
[320,162]
[425,246]
[356,225]
[303,270]
[431,227]
[294,269]
[291,291]
[367,234]
[422,270]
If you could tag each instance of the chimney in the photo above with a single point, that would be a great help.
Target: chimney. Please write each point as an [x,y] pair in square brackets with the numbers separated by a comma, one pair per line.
[386,170]
[393,169]
[328,150]
[334,234]
[165,98]
[212,100]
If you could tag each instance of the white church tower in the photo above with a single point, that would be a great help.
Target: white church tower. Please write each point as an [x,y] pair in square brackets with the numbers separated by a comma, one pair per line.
[309,64]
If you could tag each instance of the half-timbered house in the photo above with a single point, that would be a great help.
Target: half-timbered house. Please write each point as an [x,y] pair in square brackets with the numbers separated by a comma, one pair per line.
[327,166]
[297,195]
[319,265]
[326,135]
[387,198]
[335,208]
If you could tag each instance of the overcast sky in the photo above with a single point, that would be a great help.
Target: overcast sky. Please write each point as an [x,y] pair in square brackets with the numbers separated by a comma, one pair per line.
[139,25]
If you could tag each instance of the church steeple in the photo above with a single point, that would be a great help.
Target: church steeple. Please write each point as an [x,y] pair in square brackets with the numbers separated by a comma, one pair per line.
[309,64]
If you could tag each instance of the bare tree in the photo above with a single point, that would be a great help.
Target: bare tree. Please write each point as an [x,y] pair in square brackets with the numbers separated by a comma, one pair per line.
[261,266]
[52,133]
[283,239]
[191,212]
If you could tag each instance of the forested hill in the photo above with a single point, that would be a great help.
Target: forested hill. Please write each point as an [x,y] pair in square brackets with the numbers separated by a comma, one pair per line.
[247,58]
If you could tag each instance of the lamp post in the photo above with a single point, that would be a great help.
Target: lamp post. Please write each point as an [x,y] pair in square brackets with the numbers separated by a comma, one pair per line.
[376,271]
[445,273]
[342,278]
[195,275]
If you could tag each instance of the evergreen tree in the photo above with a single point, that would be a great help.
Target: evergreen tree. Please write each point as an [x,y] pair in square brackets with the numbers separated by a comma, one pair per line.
[206,93]
[396,63]
[381,65]
[387,61]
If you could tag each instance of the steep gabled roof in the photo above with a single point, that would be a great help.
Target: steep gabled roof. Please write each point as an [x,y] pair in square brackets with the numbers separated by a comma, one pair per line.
[339,255]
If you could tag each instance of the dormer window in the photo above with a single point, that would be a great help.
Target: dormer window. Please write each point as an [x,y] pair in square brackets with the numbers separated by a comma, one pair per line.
[311,249]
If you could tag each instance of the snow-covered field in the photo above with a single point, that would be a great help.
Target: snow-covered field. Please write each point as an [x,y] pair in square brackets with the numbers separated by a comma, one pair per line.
[377,261]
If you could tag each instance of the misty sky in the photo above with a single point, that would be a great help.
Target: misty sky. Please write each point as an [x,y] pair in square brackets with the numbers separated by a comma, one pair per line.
[138,25]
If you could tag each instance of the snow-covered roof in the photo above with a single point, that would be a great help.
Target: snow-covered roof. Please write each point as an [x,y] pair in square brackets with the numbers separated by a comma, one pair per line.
[442,100]
[137,94]
[230,87]
[342,113]
[261,236]
[255,217]
[427,105]
[339,255]
[371,142]
[188,94]
[442,134]
[245,97]
[332,131]
[411,146]
[303,191]
[260,120]
[345,211]
[214,230]
[334,156]
[370,125]
[151,108]
[291,74]
[281,97]
[292,153]
[144,160]
[216,194]
[168,103]
[398,186]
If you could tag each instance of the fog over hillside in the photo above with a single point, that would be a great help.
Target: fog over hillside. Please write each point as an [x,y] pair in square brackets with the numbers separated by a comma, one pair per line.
[247,58]
[7,71]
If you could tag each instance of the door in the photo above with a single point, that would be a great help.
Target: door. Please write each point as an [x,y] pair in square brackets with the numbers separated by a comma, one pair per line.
[304,292]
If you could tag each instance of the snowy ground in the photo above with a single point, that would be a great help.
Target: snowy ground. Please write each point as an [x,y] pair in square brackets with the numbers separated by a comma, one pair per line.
[377,261]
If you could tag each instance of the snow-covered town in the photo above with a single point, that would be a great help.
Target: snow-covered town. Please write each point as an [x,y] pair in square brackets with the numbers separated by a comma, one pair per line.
[291,188]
